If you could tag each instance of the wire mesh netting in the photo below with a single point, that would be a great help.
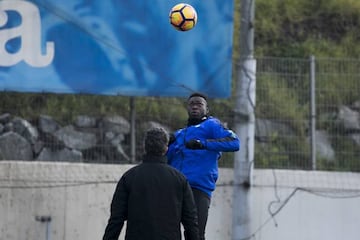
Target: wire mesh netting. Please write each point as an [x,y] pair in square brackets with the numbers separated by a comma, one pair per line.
[284,114]
[109,129]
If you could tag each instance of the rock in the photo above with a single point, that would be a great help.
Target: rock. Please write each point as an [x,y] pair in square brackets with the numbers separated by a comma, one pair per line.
[65,155]
[84,121]
[14,147]
[47,124]
[5,118]
[348,119]
[116,124]
[324,149]
[25,129]
[75,139]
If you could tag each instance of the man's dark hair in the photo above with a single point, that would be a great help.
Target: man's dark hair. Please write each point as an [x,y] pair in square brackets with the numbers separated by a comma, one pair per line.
[156,141]
[197,94]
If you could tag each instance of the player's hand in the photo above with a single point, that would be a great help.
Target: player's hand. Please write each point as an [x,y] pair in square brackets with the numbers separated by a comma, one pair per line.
[194,144]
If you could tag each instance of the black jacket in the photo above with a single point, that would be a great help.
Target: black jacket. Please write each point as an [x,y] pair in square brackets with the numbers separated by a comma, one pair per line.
[154,198]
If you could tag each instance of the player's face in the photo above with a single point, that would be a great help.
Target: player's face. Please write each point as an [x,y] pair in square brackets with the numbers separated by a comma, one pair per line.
[197,107]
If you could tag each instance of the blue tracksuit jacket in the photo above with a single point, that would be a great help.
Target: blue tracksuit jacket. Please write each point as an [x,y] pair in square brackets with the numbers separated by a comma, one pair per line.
[200,166]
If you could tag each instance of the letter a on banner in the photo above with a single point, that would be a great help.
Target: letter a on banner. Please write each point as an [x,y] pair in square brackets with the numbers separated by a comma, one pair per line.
[29,32]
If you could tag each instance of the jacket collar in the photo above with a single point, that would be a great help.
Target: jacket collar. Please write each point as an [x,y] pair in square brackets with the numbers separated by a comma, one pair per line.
[196,121]
[154,159]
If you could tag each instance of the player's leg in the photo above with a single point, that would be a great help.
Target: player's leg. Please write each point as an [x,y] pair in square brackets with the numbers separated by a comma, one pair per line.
[202,202]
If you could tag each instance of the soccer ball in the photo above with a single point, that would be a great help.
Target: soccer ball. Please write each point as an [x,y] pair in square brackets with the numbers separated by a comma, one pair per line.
[183,17]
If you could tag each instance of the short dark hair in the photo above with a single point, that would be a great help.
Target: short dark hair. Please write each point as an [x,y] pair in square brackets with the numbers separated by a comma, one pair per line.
[197,94]
[156,141]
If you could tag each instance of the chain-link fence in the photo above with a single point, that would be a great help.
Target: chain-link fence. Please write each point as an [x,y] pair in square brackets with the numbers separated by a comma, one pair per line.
[308,114]
[307,117]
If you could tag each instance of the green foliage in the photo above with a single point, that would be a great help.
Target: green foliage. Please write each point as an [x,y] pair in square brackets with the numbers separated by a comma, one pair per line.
[227,160]
[287,152]
[338,82]
[271,155]
[63,107]
[276,100]
[292,28]
[168,111]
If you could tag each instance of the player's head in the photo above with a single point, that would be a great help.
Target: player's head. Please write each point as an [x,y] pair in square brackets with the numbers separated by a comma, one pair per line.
[197,106]
[156,141]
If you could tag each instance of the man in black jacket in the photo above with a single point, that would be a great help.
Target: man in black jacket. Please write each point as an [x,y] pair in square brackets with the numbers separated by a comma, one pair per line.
[153,197]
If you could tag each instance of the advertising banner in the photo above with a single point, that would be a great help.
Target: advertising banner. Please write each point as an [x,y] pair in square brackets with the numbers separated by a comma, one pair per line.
[114,47]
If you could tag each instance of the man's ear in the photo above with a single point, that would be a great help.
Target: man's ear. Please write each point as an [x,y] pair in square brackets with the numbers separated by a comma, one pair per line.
[207,110]
[166,148]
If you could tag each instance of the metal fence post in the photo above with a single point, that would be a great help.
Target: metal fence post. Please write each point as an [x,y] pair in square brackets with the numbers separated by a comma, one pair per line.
[132,130]
[312,112]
